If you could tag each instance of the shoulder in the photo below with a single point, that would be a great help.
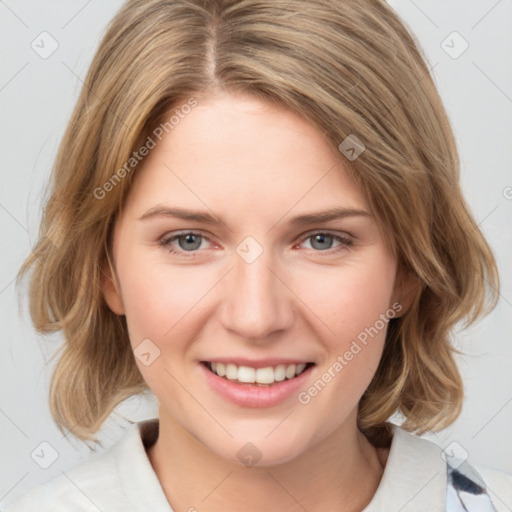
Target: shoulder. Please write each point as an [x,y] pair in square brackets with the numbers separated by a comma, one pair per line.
[74,489]
[467,479]
[92,485]
[420,476]
[498,485]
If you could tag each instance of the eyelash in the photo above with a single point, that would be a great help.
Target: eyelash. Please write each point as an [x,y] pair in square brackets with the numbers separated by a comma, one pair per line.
[166,242]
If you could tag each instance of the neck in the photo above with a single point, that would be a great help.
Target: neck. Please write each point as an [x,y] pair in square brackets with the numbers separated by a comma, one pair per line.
[341,472]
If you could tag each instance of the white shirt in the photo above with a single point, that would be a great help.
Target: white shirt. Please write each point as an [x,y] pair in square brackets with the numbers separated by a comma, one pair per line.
[121,479]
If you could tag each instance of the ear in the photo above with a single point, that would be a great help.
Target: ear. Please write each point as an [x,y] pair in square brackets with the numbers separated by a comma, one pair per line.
[111,289]
[407,286]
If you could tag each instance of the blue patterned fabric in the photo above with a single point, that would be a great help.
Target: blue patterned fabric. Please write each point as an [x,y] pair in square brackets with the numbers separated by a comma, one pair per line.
[466,491]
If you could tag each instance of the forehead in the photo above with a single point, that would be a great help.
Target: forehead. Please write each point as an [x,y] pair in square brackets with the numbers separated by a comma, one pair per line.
[240,155]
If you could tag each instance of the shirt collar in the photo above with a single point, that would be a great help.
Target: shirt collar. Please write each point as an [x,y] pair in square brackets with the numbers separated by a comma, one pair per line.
[138,478]
[414,478]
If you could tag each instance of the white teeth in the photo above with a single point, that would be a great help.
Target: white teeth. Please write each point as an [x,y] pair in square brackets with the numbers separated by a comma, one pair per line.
[267,375]
[221,369]
[246,374]
[300,368]
[290,371]
[231,371]
[280,372]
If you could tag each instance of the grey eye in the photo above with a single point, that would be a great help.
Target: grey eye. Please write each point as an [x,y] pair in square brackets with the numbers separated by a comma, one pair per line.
[321,241]
[189,242]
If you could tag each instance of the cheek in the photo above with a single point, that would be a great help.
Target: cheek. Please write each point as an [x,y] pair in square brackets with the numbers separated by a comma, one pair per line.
[159,300]
[163,308]
[358,305]
[352,299]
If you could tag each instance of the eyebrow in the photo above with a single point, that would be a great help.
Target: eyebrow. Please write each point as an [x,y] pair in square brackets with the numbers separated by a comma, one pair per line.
[327,215]
[207,218]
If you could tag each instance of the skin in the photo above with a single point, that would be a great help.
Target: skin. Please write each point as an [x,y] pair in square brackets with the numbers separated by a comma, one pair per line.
[256,166]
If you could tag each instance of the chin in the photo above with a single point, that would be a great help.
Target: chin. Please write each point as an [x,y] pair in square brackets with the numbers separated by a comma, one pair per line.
[262,450]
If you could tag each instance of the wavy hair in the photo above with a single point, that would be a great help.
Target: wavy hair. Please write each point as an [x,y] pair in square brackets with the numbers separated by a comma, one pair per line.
[350,68]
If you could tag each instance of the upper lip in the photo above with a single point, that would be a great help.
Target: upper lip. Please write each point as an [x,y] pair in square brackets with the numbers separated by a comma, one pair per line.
[260,363]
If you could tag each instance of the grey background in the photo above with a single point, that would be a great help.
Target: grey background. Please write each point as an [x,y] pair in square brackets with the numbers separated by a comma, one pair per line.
[36,98]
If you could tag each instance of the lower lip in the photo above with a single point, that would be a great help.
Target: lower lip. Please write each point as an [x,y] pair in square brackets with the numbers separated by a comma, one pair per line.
[254,396]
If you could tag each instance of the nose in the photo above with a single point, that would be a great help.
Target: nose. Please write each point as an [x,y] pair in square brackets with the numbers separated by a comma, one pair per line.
[256,303]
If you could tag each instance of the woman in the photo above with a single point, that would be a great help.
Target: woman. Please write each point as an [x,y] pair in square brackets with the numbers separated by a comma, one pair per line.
[262,225]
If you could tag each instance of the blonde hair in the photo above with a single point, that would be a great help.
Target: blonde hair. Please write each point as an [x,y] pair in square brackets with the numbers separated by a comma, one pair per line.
[349,67]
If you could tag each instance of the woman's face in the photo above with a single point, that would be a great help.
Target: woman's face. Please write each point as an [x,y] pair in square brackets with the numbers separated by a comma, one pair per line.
[245,244]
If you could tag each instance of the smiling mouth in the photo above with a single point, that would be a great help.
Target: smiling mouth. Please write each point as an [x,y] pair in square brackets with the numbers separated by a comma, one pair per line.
[267,376]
